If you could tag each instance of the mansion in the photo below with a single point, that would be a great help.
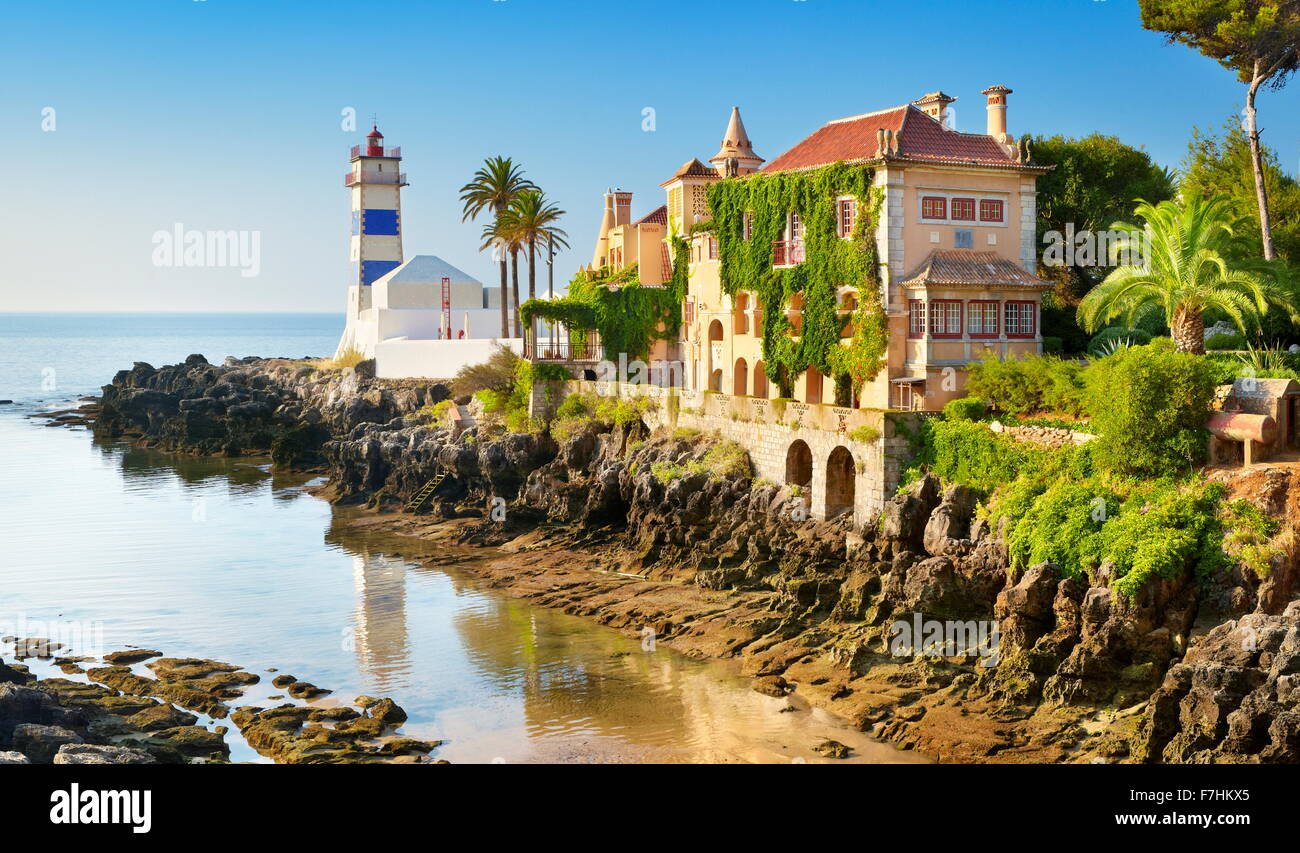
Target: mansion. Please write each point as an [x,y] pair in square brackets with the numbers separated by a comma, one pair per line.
[953,232]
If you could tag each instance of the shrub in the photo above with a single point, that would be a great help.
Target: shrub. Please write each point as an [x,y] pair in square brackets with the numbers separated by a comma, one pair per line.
[1222,341]
[1113,337]
[1029,384]
[865,434]
[969,453]
[965,409]
[1149,407]
[573,406]
[1053,346]
[498,373]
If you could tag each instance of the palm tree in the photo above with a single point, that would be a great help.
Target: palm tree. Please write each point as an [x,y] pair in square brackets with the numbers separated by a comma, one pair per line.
[531,220]
[502,236]
[494,186]
[1184,272]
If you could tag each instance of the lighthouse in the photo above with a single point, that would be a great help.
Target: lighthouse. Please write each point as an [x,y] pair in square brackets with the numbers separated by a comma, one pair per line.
[375,248]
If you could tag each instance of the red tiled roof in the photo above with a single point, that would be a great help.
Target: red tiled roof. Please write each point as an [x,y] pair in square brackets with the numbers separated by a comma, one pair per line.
[658,216]
[920,137]
[665,258]
[693,168]
[968,267]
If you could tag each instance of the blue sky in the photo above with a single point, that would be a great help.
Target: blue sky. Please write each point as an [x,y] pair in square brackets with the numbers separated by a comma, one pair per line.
[225,114]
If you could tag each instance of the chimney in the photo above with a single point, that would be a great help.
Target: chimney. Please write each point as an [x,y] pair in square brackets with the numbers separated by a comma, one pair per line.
[935,105]
[997,109]
[622,207]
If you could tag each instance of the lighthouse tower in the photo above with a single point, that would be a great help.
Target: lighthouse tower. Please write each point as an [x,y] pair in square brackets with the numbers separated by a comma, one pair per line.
[375,181]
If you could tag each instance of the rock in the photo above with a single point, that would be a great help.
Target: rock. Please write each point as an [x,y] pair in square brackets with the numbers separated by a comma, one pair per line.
[195,742]
[771,685]
[130,656]
[159,717]
[283,680]
[40,743]
[832,749]
[950,521]
[94,754]
[306,690]
[388,711]
[13,758]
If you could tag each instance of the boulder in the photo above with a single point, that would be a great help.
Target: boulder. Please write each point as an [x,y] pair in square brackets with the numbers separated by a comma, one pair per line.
[95,754]
[41,743]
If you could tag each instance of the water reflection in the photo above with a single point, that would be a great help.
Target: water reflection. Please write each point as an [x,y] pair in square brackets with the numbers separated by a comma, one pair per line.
[379,624]
[220,558]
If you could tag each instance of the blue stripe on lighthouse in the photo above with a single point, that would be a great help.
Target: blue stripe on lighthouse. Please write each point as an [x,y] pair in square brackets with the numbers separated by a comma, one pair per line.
[372,270]
[377,221]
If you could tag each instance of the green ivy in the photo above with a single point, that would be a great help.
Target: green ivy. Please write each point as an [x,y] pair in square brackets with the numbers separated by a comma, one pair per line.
[829,263]
[628,315]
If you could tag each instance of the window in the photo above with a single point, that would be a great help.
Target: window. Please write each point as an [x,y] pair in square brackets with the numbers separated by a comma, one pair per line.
[934,207]
[688,310]
[963,238]
[982,319]
[748,226]
[991,210]
[916,318]
[796,227]
[963,209]
[848,216]
[1018,319]
[713,248]
[945,318]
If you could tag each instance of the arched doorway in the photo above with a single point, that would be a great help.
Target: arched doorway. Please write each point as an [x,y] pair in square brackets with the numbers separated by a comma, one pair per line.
[840,472]
[760,381]
[715,356]
[798,464]
[740,378]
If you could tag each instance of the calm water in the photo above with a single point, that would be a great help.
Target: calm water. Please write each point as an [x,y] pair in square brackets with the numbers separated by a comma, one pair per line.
[218,558]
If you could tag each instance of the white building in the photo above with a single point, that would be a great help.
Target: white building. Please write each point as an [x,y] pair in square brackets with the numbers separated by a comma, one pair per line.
[417,318]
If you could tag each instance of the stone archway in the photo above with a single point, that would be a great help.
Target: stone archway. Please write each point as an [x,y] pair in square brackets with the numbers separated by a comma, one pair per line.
[798,464]
[740,378]
[840,475]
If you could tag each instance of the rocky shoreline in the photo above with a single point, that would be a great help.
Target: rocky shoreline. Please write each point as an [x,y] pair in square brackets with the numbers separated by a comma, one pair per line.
[120,715]
[717,564]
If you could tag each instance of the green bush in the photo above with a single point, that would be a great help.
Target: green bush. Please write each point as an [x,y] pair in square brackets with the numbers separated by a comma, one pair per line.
[1149,407]
[1029,384]
[1232,342]
[1053,346]
[969,453]
[1112,337]
[965,409]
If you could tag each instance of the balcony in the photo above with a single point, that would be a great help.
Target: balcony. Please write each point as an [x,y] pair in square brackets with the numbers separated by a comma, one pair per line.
[787,253]
[357,151]
[561,350]
[352,178]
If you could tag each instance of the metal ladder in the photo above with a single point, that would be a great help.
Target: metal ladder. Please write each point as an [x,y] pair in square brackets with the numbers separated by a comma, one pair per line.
[426,492]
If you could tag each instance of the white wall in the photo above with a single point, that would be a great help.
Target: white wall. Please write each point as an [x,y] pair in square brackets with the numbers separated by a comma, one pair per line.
[422,359]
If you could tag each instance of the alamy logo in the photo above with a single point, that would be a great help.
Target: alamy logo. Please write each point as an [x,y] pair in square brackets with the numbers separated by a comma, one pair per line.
[944,638]
[192,248]
[74,805]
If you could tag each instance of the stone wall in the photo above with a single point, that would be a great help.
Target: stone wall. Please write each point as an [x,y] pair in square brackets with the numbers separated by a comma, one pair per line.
[769,429]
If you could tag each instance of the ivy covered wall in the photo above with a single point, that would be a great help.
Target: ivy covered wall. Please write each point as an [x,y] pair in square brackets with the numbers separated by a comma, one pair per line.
[830,262]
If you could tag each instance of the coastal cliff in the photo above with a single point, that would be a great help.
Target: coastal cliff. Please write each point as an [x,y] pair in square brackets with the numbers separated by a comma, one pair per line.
[672,534]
